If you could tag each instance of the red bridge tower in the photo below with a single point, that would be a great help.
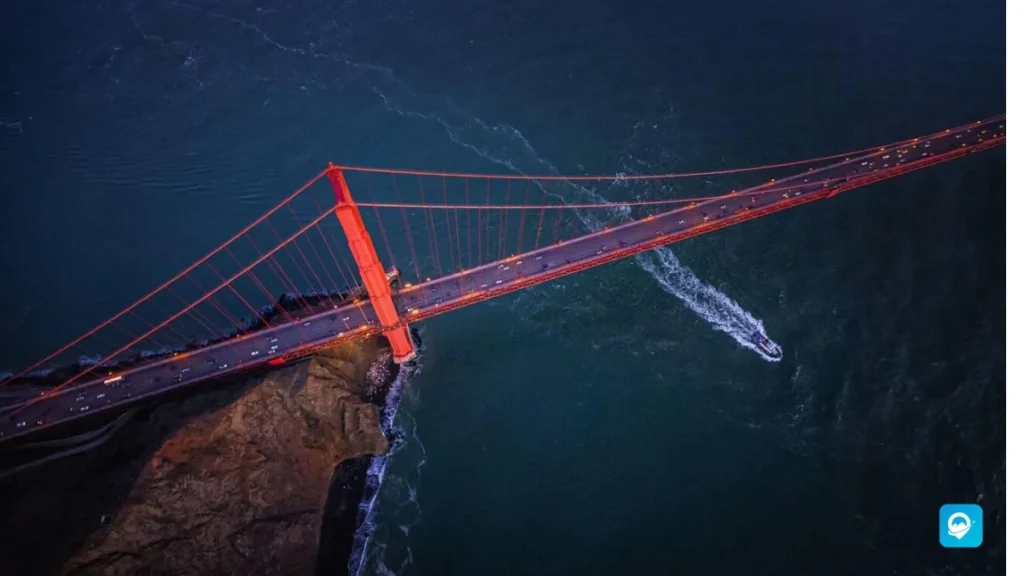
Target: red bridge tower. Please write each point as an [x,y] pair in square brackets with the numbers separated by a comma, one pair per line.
[370,268]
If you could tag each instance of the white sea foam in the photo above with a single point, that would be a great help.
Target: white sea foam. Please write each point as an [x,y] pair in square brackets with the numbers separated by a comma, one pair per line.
[506,146]
[375,475]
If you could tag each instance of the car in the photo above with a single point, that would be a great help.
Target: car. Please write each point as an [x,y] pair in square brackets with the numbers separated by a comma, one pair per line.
[222,367]
[254,353]
[20,424]
[179,378]
[80,398]
[347,318]
[272,339]
[518,262]
[83,409]
[39,422]
[98,396]
[497,281]
[540,257]
[186,369]
[484,285]
[681,222]
[273,348]
[599,252]
[307,323]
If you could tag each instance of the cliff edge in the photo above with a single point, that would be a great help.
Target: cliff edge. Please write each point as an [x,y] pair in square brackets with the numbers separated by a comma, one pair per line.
[241,489]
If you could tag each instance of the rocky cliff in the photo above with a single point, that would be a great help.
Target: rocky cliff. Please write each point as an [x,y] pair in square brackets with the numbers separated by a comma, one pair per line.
[235,481]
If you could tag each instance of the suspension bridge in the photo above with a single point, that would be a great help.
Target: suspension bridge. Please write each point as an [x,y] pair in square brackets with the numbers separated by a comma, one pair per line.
[322,266]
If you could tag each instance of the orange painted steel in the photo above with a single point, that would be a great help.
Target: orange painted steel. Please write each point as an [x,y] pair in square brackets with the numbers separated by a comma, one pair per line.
[370,269]
[666,239]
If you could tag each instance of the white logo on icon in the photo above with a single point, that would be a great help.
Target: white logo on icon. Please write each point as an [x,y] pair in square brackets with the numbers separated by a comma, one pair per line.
[958,529]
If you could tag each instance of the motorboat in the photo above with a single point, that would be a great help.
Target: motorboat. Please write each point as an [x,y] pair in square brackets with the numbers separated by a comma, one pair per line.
[765,345]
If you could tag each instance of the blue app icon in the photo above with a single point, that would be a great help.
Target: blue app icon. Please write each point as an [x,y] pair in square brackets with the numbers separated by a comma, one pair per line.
[961,526]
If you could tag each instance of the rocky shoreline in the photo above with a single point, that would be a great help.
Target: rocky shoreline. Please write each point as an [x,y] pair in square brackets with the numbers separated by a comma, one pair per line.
[263,476]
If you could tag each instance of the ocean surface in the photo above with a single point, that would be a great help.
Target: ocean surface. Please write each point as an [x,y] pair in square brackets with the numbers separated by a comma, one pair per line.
[611,422]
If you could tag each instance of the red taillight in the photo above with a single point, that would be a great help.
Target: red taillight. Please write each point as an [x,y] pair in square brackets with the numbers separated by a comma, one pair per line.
[276,362]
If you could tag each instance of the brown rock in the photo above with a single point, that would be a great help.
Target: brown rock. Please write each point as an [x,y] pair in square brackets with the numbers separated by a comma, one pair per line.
[240,490]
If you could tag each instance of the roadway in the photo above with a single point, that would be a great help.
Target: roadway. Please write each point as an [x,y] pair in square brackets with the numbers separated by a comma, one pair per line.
[516,272]
[251,350]
[530,268]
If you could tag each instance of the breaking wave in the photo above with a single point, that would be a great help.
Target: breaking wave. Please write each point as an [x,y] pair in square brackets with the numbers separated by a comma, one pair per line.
[366,520]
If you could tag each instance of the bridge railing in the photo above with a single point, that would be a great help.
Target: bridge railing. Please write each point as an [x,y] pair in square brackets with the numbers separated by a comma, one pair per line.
[294,260]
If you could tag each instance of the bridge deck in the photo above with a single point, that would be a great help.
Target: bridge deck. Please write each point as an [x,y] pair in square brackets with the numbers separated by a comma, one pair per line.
[494,279]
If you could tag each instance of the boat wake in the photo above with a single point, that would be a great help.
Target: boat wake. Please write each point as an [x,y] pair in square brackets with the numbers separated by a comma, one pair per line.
[506,146]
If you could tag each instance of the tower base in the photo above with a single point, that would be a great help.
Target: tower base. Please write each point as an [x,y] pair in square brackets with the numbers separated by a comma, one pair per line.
[402,349]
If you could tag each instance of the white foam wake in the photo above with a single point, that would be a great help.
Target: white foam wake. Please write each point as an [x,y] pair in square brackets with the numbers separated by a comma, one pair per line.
[506,146]
[722,312]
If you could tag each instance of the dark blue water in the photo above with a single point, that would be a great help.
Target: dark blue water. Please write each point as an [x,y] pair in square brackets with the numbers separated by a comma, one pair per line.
[611,422]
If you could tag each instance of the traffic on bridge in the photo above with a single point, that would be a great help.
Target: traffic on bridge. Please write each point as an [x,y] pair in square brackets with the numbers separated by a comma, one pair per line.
[390,306]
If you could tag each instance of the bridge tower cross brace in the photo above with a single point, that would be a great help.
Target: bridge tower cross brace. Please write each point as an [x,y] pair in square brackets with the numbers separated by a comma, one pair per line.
[370,269]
